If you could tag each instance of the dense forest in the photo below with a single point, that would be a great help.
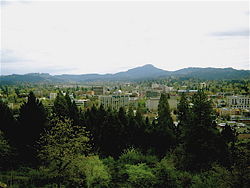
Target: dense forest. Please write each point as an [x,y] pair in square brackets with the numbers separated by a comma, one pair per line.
[97,147]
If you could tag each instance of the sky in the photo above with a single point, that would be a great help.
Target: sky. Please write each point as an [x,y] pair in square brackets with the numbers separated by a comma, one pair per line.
[79,37]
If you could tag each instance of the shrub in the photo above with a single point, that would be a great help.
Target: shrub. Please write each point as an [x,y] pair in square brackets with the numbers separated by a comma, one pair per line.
[95,172]
[134,156]
[140,175]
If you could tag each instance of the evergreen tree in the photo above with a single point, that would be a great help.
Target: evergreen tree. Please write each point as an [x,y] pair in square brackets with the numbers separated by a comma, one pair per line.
[112,140]
[164,131]
[32,121]
[183,110]
[64,107]
[203,144]
[7,121]
[229,134]
[183,115]
[122,117]
[140,140]
[5,152]
[130,112]
[131,128]
[164,113]
[61,106]
[202,111]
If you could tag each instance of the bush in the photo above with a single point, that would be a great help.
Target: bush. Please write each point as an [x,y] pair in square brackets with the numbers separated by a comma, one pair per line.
[95,172]
[217,177]
[133,156]
[5,151]
[140,175]
[166,173]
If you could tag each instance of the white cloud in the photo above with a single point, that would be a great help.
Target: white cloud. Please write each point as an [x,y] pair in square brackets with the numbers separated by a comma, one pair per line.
[90,37]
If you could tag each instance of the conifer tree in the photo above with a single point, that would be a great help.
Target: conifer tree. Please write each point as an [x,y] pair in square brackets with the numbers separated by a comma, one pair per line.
[183,110]
[64,107]
[203,144]
[164,114]
[202,110]
[32,122]
[60,108]
[164,132]
[183,115]
[229,134]
[7,121]
[32,118]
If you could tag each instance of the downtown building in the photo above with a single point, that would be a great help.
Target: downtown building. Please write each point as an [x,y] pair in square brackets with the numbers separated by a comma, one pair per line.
[241,102]
[114,101]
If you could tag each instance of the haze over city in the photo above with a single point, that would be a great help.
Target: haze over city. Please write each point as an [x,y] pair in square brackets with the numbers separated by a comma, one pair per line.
[107,37]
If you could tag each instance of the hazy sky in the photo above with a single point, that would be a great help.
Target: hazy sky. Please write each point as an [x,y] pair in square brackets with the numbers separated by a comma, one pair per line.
[79,37]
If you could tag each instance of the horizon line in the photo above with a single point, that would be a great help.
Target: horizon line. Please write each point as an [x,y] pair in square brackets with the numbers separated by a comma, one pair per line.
[121,71]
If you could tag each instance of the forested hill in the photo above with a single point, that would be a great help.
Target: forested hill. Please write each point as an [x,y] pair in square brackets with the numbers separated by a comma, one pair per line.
[145,72]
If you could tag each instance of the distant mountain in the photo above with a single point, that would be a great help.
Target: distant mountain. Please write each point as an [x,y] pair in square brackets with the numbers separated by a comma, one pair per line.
[145,72]
[29,78]
[213,73]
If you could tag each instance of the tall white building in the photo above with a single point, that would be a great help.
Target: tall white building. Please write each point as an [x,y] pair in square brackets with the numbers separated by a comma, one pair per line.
[114,101]
[242,102]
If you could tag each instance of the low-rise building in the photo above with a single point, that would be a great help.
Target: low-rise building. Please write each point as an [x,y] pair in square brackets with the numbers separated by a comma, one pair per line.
[98,90]
[241,102]
[114,101]
[152,104]
[191,91]
[168,89]
[228,111]
[81,102]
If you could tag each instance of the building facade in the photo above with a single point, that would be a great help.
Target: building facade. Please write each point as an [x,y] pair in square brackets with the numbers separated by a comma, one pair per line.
[81,102]
[152,104]
[114,101]
[98,90]
[241,102]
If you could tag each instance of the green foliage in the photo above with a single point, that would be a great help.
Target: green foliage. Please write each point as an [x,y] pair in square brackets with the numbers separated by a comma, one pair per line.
[139,175]
[32,122]
[133,156]
[203,157]
[202,143]
[240,168]
[164,114]
[229,134]
[65,108]
[7,121]
[166,173]
[217,177]
[118,129]
[163,132]
[183,115]
[202,112]
[62,146]
[5,150]
[183,110]
[95,172]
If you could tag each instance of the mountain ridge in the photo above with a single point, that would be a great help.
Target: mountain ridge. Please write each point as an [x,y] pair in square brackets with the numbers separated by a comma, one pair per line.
[144,72]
